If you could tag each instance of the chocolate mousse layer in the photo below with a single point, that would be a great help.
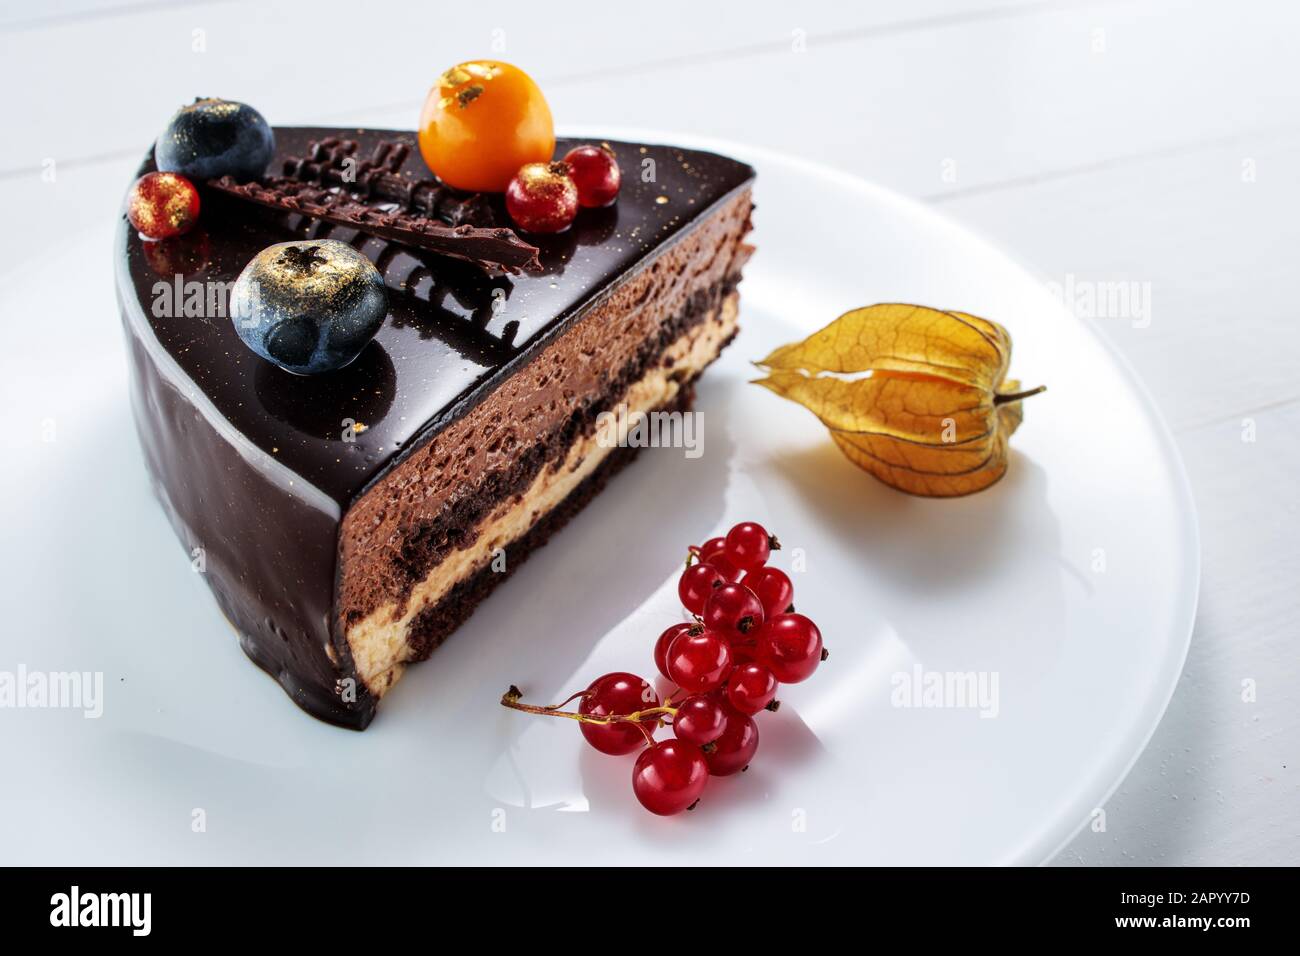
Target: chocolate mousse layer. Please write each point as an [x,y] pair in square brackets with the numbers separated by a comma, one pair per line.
[342,519]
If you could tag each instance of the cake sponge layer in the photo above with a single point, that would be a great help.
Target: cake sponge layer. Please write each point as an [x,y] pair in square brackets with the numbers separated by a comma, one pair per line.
[428,507]
[399,632]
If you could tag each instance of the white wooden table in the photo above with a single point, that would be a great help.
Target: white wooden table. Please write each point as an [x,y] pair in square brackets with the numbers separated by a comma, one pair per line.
[1153,142]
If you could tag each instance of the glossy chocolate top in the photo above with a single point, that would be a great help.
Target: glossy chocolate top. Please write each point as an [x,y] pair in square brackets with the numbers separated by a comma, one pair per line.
[451,329]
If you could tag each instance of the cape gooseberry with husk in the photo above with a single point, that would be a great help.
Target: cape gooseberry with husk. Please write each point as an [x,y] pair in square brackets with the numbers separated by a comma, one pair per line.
[918,397]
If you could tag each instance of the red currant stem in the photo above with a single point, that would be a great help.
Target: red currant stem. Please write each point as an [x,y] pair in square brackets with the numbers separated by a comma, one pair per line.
[511,699]
[692,554]
[580,694]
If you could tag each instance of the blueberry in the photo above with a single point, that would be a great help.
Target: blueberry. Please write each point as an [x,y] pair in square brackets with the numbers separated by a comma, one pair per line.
[308,306]
[211,138]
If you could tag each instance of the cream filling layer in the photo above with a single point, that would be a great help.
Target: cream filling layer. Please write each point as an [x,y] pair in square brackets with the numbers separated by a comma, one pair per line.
[379,641]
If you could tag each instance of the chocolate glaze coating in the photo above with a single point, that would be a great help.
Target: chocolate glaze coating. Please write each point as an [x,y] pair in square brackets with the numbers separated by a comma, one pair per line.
[250,461]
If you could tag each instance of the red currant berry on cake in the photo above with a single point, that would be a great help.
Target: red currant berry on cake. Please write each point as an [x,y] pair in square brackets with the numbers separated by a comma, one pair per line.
[542,198]
[733,610]
[699,662]
[714,552]
[733,751]
[669,777]
[595,173]
[791,646]
[162,205]
[773,587]
[696,584]
[751,688]
[749,545]
[617,694]
[665,641]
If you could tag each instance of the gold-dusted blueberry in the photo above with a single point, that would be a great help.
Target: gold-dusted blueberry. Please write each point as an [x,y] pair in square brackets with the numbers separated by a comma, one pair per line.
[212,137]
[309,306]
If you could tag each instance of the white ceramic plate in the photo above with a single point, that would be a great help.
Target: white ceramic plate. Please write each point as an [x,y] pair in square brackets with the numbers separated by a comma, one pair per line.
[1073,581]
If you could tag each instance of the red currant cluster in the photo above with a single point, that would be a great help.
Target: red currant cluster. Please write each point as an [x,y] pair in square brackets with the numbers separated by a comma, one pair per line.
[544,197]
[727,664]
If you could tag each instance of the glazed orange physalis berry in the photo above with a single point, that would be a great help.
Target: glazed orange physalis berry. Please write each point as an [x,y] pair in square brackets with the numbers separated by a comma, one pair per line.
[162,205]
[595,172]
[542,198]
[481,122]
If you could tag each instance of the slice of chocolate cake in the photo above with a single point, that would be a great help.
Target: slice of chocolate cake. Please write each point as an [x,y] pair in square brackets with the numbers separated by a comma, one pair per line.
[348,522]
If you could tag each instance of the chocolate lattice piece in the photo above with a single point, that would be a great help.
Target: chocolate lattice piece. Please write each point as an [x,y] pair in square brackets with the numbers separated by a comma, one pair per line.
[491,248]
[372,195]
[333,162]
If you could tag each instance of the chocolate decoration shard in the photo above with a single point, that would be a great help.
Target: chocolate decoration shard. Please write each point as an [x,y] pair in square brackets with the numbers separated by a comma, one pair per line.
[333,162]
[494,248]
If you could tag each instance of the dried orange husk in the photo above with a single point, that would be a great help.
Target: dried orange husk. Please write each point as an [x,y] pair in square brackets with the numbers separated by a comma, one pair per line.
[918,397]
